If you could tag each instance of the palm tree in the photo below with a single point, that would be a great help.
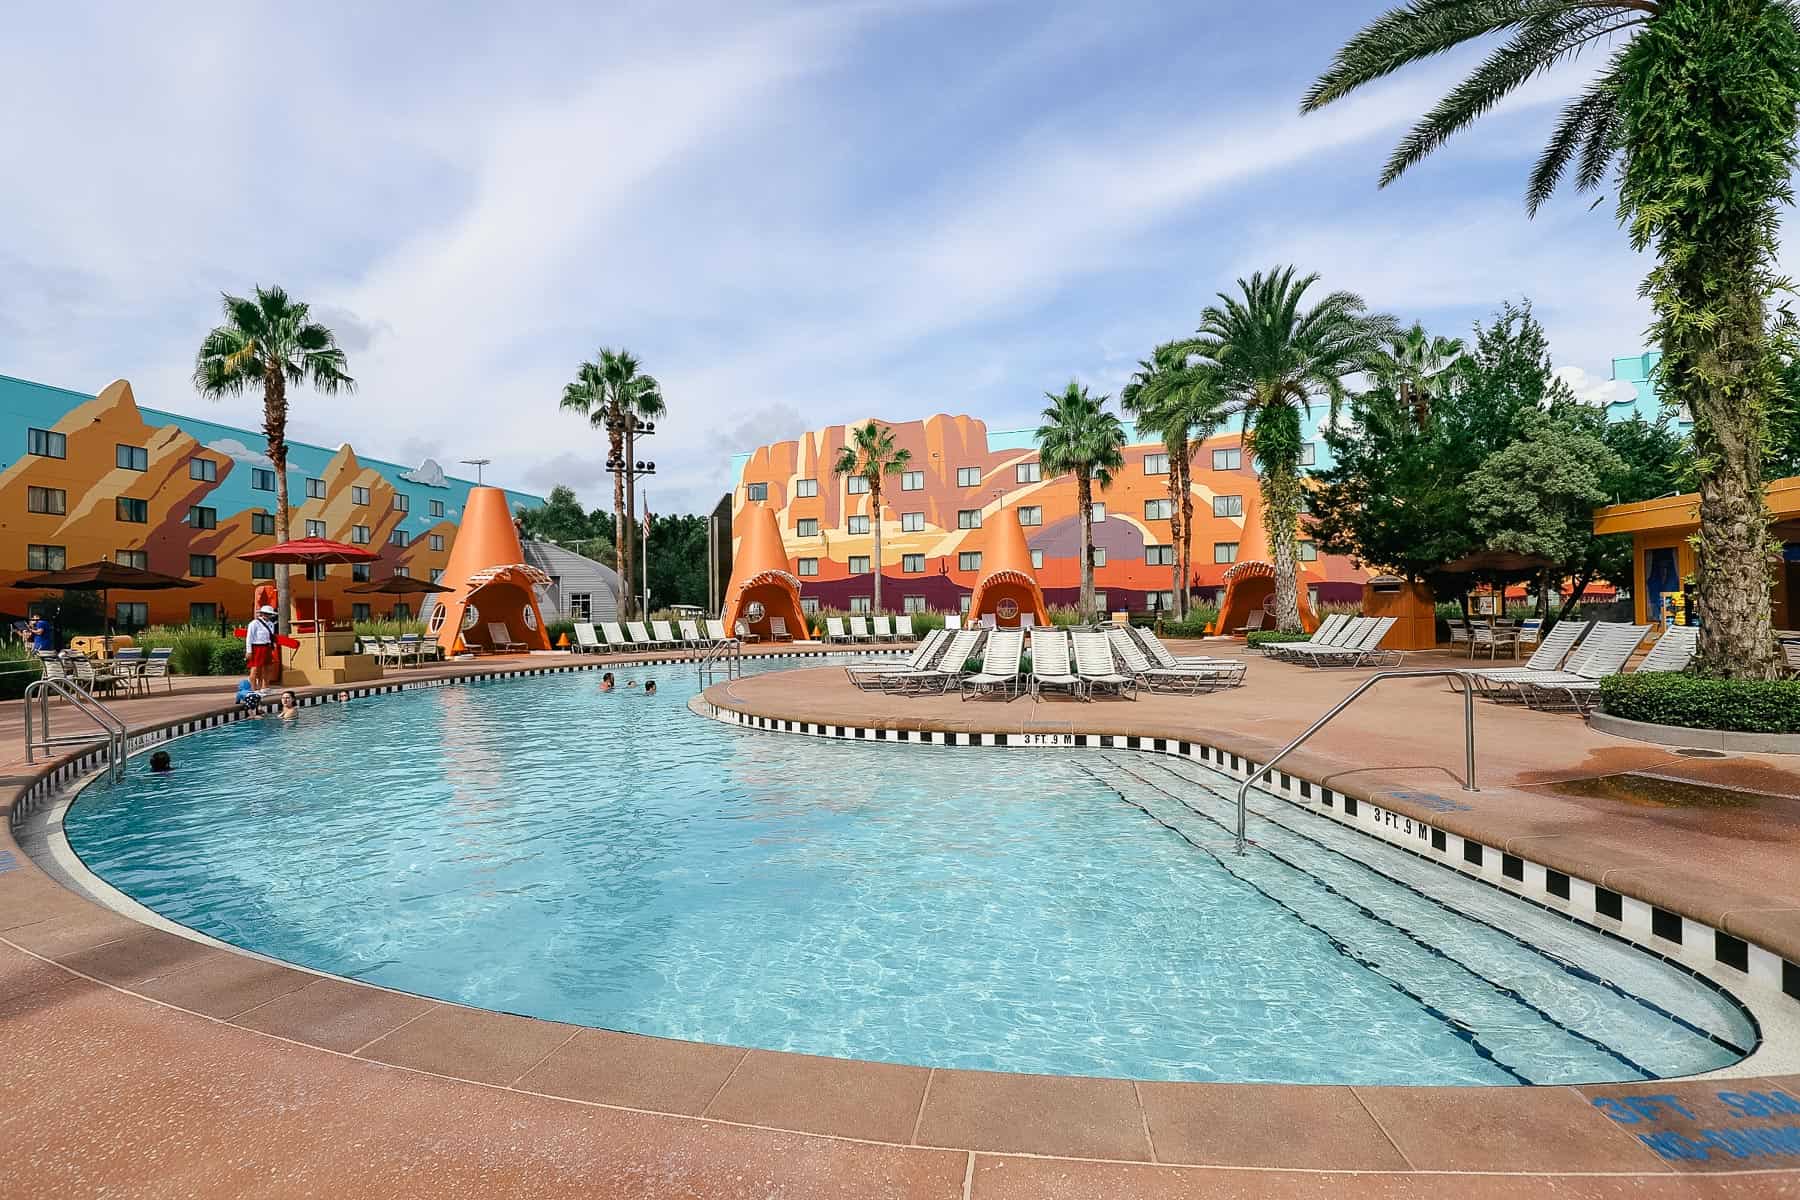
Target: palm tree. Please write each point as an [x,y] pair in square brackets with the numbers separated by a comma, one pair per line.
[872,455]
[613,396]
[1415,365]
[1176,396]
[1274,360]
[1699,105]
[1079,436]
[269,341]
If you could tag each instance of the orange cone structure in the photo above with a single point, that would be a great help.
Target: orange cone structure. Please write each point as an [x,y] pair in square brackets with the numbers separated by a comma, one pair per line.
[1008,588]
[494,602]
[761,586]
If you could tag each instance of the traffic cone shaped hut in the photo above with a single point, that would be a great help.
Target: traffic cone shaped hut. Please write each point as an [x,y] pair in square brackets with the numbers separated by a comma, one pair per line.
[492,603]
[1008,588]
[761,586]
[1250,582]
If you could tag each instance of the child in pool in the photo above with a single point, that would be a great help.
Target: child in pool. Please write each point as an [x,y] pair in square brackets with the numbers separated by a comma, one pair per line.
[160,763]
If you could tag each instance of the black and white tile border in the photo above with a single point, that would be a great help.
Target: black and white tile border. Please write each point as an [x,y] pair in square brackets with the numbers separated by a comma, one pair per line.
[1668,935]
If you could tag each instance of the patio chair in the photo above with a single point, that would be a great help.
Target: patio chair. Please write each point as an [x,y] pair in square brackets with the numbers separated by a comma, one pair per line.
[859,630]
[423,649]
[1552,649]
[615,637]
[691,636]
[999,674]
[640,635]
[1608,648]
[1253,621]
[867,676]
[127,666]
[90,676]
[52,665]
[903,628]
[884,629]
[1094,663]
[1050,667]
[952,621]
[941,677]
[586,640]
[1531,630]
[778,630]
[665,634]
[1027,621]
[1331,632]
[156,666]
[1674,651]
[834,630]
[1362,649]
[741,632]
[500,639]
[1175,677]
[1493,637]
[715,633]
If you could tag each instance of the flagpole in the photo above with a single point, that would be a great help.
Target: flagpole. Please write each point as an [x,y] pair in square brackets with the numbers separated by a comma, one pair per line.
[646,555]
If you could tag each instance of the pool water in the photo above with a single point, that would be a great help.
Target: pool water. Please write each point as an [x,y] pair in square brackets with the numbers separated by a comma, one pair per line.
[538,847]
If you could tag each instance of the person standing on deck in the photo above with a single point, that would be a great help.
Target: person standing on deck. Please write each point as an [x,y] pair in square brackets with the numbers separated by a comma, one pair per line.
[259,647]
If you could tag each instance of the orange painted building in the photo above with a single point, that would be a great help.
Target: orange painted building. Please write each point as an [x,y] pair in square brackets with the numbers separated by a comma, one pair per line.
[934,520]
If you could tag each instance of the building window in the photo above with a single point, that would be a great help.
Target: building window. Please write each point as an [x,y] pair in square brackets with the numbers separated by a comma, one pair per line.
[359,495]
[359,535]
[859,564]
[131,458]
[1099,553]
[1225,552]
[857,485]
[1159,600]
[1308,454]
[53,501]
[912,481]
[397,538]
[860,604]
[1031,514]
[912,564]
[1308,551]
[1228,460]
[1028,472]
[809,605]
[134,512]
[1228,506]
[1158,510]
[962,603]
[435,508]
[1100,602]
[1037,560]
[46,558]
[139,559]
[968,477]
[1159,556]
[359,612]
[969,560]
[262,522]
[402,502]
[912,522]
[315,572]
[1099,513]
[756,491]
[202,517]
[912,604]
[806,527]
[402,572]
[45,444]
[1156,464]
[203,469]
[262,570]
[202,566]
[437,541]
[315,529]
[315,489]
[808,567]
[131,614]
[805,489]
[203,614]
[262,479]
[858,524]
[437,574]
[968,518]
[359,572]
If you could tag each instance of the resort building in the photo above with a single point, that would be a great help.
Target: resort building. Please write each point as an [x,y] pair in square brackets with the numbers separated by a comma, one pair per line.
[98,477]
[961,475]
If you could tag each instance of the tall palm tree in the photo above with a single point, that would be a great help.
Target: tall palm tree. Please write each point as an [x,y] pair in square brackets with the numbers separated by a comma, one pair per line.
[1699,105]
[1275,359]
[1416,365]
[872,455]
[1080,437]
[1176,395]
[613,395]
[270,341]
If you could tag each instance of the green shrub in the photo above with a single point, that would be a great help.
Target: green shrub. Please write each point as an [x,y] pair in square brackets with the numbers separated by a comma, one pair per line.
[1195,624]
[18,669]
[562,629]
[1694,702]
[1265,637]
[972,666]
[1063,615]
[385,627]
[924,622]
[227,657]
[193,653]
[1025,664]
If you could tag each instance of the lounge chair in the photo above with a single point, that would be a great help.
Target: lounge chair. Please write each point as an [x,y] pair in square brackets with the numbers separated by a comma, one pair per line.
[1193,677]
[1050,664]
[1331,632]
[1531,631]
[156,666]
[586,640]
[944,675]
[884,629]
[741,632]
[665,634]
[867,676]
[1360,650]
[421,648]
[640,636]
[952,621]
[500,639]
[1578,689]
[999,672]
[859,630]
[691,636]
[715,633]
[1253,621]
[778,630]
[1094,663]
[834,630]
[1162,656]
[1552,649]
[903,628]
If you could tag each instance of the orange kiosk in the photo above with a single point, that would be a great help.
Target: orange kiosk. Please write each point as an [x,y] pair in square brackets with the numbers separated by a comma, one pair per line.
[492,605]
[761,585]
[1007,590]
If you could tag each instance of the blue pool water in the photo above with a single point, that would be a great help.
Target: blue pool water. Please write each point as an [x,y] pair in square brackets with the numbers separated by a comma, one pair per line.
[537,847]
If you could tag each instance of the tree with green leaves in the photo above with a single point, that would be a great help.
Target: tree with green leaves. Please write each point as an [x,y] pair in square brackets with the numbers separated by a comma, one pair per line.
[1417,366]
[562,520]
[1275,358]
[615,396]
[271,341]
[872,455]
[1699,106]
[1175,395]
[1080,437]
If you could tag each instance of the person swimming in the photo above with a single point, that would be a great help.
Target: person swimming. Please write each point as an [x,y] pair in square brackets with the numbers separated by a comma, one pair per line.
[160,763]
[606,682]
[290,706]
[649,687]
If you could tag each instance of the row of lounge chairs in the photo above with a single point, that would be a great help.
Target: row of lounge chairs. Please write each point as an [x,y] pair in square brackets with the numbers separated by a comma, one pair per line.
[886,629]
[1340,641]
[1082,663]
[659,635]
[1564,673]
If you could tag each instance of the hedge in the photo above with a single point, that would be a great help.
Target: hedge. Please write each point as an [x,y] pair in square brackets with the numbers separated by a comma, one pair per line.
[1265,637]
[1695,702]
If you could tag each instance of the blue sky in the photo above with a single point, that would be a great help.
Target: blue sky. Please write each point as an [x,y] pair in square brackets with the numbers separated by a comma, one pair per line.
[793,213]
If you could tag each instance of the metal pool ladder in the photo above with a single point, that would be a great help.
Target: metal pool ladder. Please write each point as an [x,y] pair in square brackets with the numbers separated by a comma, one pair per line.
[107,723]
[726,655]
[1262,772]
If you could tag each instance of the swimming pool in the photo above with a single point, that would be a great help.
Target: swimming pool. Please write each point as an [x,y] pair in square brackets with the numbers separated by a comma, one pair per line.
[537,847]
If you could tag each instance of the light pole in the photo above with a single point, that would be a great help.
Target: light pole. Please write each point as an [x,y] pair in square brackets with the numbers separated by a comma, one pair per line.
[633,471]
[477,463]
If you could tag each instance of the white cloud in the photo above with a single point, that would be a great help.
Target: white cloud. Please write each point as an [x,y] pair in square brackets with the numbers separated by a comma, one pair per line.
[1593,390]
[238,452]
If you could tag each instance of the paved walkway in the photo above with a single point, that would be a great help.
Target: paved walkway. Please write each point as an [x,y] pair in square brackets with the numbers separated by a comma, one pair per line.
[137,1063]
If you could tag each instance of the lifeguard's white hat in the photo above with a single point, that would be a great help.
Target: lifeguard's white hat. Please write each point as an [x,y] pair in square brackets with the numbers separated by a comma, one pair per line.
[266,611]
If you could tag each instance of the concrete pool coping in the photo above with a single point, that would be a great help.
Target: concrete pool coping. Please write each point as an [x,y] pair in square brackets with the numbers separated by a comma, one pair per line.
[74,973]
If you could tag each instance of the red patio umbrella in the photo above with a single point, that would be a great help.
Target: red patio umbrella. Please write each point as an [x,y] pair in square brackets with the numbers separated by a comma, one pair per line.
[309,551]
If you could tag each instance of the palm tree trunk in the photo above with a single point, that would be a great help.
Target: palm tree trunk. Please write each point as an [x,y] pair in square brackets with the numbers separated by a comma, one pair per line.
[1281,514]
[1177,532]
[275,432]
[1084,499]
[621,560]
[628,531]
[1184,553]
[875,522]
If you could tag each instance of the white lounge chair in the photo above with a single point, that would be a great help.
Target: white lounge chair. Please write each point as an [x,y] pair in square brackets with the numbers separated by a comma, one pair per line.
[640,636]
[859,630]
[944,675]
[999,666]
[867,676]
[665,634]
[903,627]
[715,633]
[1577,689]
[500,639]
[615,637]
[1193,677]
[1050,664]
[1360,649]
[884,629]
[1331,632]
[1253,621]
[691,636]
[1094,663]
[834,630]
[1552,649]
[586,640]
[952,621]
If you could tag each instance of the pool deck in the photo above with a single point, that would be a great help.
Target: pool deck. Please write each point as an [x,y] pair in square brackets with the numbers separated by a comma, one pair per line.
[141,1063]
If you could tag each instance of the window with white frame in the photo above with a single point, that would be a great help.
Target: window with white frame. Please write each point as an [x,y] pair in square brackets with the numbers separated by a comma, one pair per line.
[1099,553]
[1031,514]
[1028,472]
[968,477]
[1228,460]
[1308,551]
[860,604]
[203,469]
[809,605]
[1308,454]
[1037,560]
[806,527]
[315,489]
[912,481]
[859,564]
[1099,513]
[581,606]
[968,518]
[969,560]
[805,489]
[1156,464]
[1228,506]
[1159,601]
[315,529]
[756,491]
[1100,601]
[1225,552]
[962,604]
[857,524]
[912,564]
[1159,556]
[856,485]
[912,522]
[1158,510]
[808,567]
[912,604]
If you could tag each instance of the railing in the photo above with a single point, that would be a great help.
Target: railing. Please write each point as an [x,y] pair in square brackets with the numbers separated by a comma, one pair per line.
[1262,772]
[107,722]
[727,655]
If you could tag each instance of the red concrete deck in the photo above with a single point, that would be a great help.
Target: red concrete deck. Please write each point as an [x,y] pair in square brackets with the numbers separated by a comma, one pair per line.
[139,1063]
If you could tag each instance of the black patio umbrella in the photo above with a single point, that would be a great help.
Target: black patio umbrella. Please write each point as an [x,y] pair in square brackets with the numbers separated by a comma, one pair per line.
[398,585]
[1497,562]
[102,577]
